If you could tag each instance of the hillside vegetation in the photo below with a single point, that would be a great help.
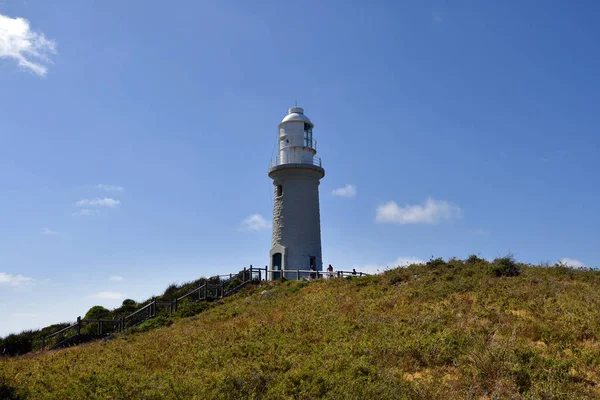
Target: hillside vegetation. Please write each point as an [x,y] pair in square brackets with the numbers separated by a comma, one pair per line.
[31,340]
[445,330]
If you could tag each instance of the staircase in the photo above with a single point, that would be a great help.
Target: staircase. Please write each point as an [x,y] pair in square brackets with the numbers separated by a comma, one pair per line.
[219,288]
[75,340]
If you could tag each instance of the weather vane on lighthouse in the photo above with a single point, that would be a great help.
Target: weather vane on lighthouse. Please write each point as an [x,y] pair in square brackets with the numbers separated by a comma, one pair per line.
[296,172]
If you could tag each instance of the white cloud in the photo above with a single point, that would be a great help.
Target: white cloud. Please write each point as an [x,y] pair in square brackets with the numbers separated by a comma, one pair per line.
[106,296]
[84,211]
[255,222]
[346,191]
[572,263]
[13,280]
[399,262]
[19,42]
[47,231]
[98,202]
[110,188]
[432,212]
[116,278]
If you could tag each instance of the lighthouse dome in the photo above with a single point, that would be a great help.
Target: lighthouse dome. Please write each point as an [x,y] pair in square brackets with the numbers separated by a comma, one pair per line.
[296,114]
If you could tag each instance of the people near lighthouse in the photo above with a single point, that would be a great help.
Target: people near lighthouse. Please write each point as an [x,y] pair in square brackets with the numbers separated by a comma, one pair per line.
[312,272]
[330,271]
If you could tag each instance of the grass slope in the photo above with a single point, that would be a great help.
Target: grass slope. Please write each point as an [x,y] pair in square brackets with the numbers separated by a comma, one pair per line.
[445,330]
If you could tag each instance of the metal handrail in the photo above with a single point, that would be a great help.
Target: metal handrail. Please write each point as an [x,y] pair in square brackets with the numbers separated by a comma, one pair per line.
[61,331]
[312,160]
[94,321]
[138,311]
[190,293]
[322,273]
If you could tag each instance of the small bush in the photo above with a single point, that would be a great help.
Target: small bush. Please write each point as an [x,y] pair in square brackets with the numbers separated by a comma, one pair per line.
[16,344]
[506,266]
[437,262]
[97,312]
[171,292]
[232,284]
[189,309]
[153,323]
[474,259]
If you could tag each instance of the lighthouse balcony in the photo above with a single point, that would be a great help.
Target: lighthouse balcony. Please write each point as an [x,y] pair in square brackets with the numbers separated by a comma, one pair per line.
[296,159]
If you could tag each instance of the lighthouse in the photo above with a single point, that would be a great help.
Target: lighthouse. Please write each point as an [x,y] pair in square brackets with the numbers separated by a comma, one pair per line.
[296,172]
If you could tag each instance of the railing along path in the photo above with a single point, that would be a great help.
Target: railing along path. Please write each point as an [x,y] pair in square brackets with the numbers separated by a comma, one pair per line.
[213,288]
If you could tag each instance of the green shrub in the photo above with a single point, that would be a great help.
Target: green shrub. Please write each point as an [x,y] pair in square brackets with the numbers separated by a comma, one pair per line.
[16,344]
[153,323]
[97,312]
[506,266]
[171,292]
[189,308]
[232,284]
[437,262]
[474,259]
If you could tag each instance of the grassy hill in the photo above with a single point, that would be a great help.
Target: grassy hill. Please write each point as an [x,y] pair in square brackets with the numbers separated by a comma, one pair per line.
[445,330]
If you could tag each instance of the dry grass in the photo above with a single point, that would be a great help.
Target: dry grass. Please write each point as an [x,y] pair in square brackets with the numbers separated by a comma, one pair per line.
[442,331]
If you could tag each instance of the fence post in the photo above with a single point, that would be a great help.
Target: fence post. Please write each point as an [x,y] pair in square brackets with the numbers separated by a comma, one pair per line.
[100,328]
[297,274]
[153,307]
[78,325]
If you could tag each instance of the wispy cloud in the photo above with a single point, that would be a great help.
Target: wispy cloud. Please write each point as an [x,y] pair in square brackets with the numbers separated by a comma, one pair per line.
[398,262]
[110,188]
[255,222]
[84,212]
[30,49]
[106,296]
[572,263]
[98,202]
[431,212]
[14,280]
[46,231]
[116,278]
[347,191]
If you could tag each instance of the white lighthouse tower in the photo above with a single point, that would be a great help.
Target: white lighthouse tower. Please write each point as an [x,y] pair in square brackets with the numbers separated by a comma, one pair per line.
[296,173]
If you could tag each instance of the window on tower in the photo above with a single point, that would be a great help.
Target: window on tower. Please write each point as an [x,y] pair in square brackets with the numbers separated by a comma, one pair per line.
[279,190]
[308,142]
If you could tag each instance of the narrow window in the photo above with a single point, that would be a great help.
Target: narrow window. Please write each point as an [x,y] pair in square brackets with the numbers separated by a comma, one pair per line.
[279,190]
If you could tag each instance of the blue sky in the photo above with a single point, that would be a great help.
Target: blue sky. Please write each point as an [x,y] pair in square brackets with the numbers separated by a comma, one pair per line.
[136,138]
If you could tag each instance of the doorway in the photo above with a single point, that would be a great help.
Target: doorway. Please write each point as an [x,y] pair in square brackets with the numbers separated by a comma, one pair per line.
[276,263]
